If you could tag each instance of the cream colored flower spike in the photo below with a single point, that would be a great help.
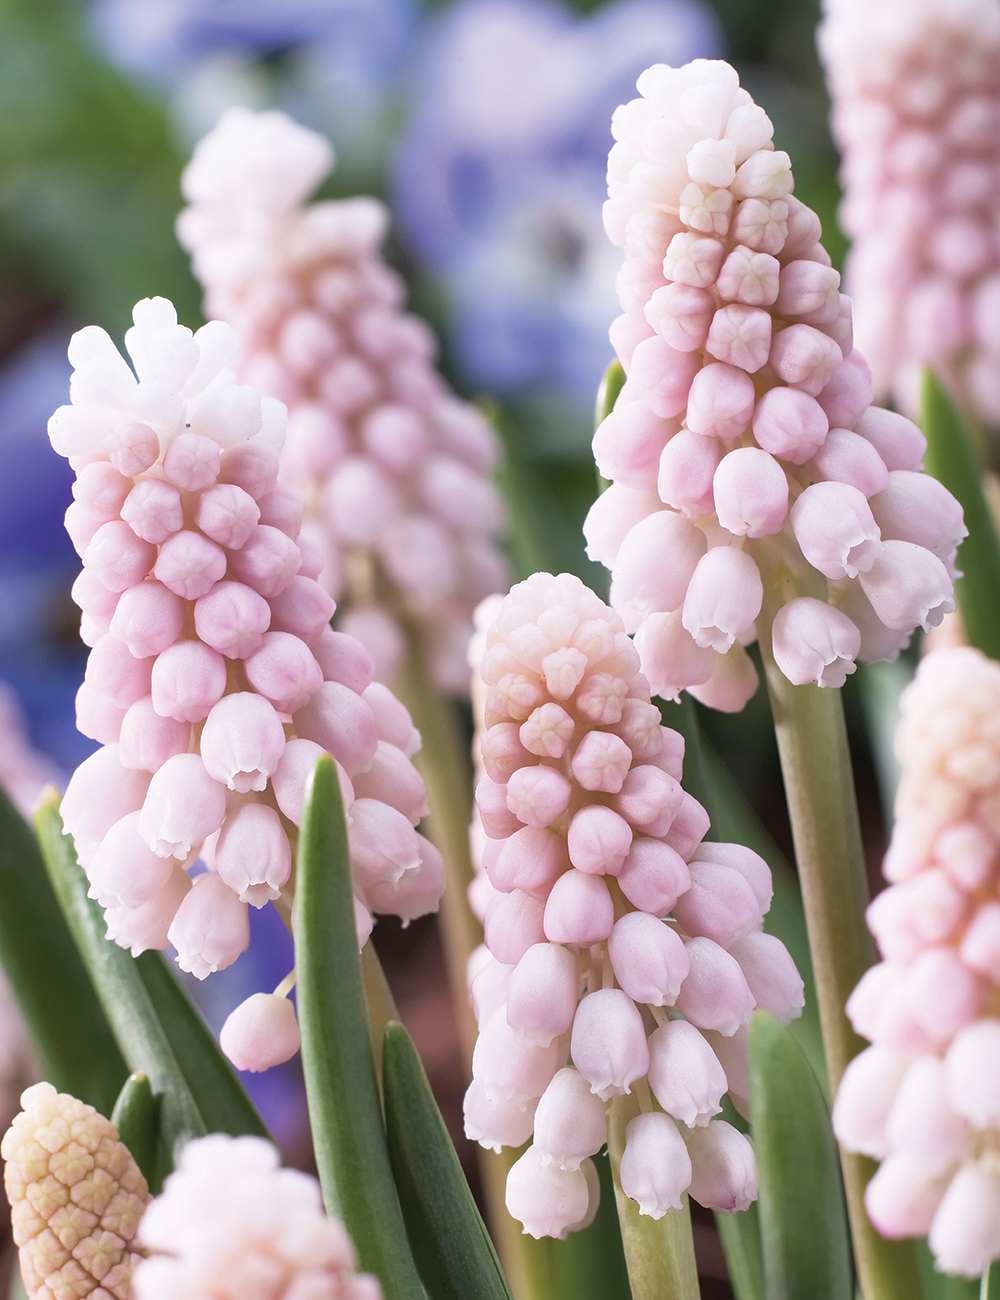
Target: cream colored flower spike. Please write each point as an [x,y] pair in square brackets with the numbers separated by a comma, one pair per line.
[76,1198]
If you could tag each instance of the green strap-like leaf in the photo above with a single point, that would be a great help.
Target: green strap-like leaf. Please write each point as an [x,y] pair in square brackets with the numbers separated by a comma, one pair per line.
[218,1093]
[122,993]
[952,459]
[69,1031]
[803,1218]
[450,1243]
[344,1108]
[136,1116]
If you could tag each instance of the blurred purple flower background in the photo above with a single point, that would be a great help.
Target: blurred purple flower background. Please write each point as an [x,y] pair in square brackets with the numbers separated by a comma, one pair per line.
[500,177]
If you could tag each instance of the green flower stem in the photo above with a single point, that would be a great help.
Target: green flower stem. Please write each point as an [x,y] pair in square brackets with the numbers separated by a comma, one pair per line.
[822,807]
[445,764]
[659,1252]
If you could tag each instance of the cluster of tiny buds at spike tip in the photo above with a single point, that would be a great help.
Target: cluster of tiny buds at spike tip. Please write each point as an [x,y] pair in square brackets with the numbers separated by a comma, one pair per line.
[615,934]
[916,107]
[76,1198]
[744,443]
[214,680]
[394,469]
[231,1224]
[924,1099]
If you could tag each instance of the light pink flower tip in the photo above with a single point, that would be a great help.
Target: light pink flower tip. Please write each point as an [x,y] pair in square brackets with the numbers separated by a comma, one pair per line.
[746,403]
[389,461]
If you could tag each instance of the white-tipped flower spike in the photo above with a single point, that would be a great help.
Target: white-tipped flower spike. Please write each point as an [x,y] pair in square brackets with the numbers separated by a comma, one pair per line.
[394,469]
[603,908]
[214,681]
[925,1098]
[76,1198]
[231,1223]
[744,442]
[915,98]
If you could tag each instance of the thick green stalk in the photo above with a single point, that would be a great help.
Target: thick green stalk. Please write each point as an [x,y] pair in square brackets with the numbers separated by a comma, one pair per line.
[822,807]
[445,764]
[659,1252]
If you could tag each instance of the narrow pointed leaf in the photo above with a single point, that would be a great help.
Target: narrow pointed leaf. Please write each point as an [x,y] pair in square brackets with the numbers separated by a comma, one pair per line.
[344,1108]
[217,1090]
[136,1116]
[803,1218]
[450,1243]
[69,1031]
[122,993]
[952,459]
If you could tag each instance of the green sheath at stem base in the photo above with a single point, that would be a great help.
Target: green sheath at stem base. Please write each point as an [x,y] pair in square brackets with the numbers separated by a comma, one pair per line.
[659,1252]
[822,807]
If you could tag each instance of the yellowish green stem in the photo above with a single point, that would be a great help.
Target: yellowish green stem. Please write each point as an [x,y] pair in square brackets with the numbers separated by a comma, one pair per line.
[445,764]
[659,1253]
[444,761]
[823,810]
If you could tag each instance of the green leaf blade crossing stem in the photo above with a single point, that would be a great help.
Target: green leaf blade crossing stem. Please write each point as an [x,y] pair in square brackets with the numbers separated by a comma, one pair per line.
[344,1105]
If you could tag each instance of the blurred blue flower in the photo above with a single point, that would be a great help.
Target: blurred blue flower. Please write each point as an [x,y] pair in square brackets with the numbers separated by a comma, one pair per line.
[500,179]
[165,39]
[41,655]
[331,63]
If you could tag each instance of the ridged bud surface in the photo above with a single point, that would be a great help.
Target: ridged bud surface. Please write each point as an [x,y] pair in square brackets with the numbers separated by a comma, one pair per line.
[744,441]
[614,934]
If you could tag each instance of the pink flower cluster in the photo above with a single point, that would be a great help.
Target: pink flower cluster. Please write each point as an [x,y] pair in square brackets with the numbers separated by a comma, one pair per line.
[394,469]
[230,1225]
[916,112]
[214,680]
[744,437]
[614,934]
[925,1097]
